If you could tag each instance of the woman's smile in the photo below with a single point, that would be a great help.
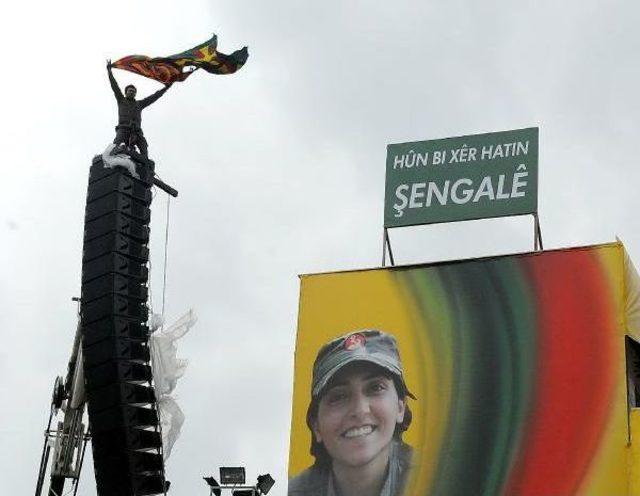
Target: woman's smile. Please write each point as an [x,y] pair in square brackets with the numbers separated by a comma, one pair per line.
[356,432]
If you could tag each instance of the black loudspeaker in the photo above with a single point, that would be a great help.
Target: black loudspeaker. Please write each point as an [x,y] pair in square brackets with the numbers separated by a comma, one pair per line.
[114,263]
[124,423]
[120,203]
[106,182]
[119,243]
[114,221]
[114,305]
[148,484]
[115,349]
[134,461]
[113,327]
[113,371]
[140,484]
[114,284]
[112,444]
[116,417]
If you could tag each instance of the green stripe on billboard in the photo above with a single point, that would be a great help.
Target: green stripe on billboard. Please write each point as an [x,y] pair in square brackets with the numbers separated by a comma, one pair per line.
[462,178]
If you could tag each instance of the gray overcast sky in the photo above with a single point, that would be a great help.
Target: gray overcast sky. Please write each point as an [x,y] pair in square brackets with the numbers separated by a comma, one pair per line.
[280,169]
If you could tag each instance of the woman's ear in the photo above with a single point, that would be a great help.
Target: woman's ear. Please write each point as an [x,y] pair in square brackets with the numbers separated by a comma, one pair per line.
[316,432]
[402,406]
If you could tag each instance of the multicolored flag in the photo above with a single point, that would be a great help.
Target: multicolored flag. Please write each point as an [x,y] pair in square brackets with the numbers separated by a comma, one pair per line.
[180,66]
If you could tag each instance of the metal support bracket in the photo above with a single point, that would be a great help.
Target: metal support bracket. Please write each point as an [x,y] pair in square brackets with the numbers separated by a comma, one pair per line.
[386,245]
[537,233]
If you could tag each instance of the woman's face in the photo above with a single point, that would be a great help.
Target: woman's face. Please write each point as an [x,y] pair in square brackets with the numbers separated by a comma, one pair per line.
[357,415]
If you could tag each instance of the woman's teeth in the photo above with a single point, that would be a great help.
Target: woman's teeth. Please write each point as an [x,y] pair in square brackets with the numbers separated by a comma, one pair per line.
[359,431]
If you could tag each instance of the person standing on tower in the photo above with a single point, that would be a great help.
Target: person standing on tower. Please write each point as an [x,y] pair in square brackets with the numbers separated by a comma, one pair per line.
[129,129]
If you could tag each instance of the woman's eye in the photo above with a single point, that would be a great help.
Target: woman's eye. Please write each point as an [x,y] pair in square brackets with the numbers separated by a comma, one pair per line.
[336,397]
[377,387]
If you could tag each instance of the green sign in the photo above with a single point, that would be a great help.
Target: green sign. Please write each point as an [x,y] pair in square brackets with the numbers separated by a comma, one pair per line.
[462,178]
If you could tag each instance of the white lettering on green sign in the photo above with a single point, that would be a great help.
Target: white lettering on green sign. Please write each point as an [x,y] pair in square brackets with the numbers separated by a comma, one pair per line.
[461,191]
[462,178]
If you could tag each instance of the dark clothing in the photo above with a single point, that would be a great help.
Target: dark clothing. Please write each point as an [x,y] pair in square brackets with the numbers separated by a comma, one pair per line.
[318,480]
[126,133]
[130,109]
[130,116]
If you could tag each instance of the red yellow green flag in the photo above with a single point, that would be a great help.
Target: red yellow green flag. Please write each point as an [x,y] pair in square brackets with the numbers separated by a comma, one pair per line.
[180,66]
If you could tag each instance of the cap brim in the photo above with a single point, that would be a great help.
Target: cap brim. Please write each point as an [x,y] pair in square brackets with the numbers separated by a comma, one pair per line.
[322,383]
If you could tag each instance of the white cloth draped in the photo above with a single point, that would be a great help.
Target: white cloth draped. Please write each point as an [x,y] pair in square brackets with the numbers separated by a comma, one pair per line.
[111,160]
[167,369]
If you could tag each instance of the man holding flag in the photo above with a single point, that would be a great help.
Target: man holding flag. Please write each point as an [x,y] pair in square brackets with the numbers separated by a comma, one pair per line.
[129,130]
[165,70]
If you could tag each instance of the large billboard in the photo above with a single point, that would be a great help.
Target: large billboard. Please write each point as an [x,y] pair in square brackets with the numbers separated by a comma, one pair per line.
[462,178]
[493,376]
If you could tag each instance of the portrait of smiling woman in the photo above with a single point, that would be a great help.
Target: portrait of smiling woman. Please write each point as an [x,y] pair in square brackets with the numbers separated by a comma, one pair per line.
[357,414]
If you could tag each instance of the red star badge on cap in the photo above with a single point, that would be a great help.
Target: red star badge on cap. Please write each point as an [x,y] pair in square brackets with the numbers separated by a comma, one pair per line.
[354,342]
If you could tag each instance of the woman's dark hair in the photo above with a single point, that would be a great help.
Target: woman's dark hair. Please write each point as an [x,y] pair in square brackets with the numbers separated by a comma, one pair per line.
[130,86]
[319,451]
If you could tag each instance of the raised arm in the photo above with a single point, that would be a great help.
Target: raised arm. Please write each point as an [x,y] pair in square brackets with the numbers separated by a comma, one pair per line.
[114,84]
[145,102]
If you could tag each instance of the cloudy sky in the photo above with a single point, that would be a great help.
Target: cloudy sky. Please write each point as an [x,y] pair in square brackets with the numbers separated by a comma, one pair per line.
[280,169]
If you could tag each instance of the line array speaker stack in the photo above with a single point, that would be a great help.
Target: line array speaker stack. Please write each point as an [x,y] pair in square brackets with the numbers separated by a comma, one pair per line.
[126,439]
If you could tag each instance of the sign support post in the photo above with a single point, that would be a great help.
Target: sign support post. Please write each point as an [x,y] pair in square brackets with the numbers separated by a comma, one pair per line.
[386,245]
[537,233]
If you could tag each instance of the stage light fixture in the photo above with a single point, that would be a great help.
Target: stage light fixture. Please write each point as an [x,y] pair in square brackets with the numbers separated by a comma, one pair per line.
[244,492]
[232,475]
[213,484]
[265,483]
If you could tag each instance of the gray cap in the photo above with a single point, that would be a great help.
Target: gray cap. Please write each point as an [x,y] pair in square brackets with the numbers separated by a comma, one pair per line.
[367,345]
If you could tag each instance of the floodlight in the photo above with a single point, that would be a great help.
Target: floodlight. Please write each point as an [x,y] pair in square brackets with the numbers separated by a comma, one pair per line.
[213,484]
[232,475]
[244,492]
[265,483]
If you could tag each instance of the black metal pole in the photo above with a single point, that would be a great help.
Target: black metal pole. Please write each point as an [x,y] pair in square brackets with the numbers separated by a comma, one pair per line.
[44,459]
[537,232]
[384,246]
[388,240]
[165,187]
